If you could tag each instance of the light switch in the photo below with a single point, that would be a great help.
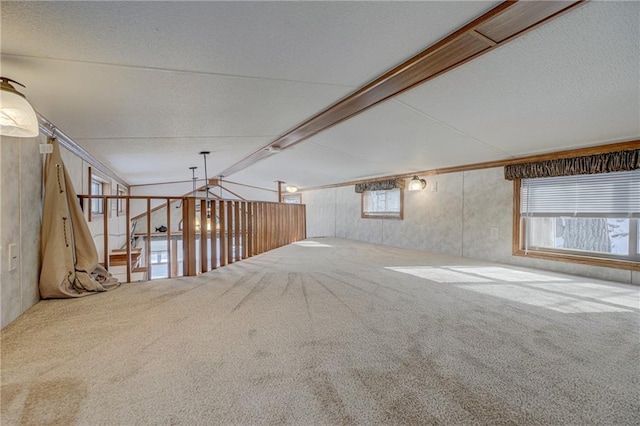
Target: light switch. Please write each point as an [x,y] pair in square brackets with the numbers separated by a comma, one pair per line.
[13,257]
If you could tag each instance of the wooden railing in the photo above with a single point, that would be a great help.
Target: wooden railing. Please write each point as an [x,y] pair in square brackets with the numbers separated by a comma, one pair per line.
[213,233]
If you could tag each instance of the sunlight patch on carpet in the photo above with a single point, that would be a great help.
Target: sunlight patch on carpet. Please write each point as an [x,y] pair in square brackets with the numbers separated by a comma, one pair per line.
[311,244]
[439,275]
[543,299]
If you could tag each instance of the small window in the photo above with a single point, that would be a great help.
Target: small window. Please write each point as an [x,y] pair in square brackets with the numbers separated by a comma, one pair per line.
[292,198]
[120,201]
[387,204]
[590,216]
[97,188]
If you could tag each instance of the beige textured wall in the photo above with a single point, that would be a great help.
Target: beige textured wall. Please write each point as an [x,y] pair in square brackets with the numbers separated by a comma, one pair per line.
[469,215]
[20,206]
[20,220]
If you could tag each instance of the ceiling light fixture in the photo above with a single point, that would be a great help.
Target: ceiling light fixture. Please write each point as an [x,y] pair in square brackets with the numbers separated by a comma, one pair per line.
[291,188]
[17,116]
[417,184]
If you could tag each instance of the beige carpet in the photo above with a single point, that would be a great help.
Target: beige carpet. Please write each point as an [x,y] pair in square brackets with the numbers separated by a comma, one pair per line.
[325,333]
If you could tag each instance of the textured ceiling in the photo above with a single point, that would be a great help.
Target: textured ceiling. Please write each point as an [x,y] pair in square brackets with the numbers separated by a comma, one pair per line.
[146,87]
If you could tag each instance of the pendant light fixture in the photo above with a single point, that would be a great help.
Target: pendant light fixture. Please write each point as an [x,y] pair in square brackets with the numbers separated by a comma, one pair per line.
[17,116]
[416,184]
[291,188]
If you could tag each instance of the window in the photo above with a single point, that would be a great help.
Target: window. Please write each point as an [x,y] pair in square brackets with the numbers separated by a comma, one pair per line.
[120,201]
[589,216]
[292,198]
[387,204]
[97,188]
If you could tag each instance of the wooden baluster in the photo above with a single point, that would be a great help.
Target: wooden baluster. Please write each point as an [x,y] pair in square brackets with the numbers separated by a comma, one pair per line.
[128,233]
[147,246]
[250,227]
[189,236]
[237,228]
[214,235]
[230,231]
[203,237]
[223,234]
[169,263]
[105,243]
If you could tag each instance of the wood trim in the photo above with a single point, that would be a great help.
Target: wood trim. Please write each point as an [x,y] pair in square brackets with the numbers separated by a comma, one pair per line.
[591,261]
[516,224]
[508,20]
[575,152]
[197,180]
[231,192]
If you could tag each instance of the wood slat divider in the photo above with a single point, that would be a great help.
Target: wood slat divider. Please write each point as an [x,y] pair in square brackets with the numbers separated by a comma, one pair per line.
[237,228]
[230,232]
[213,242]
[251,224]
[223,234]
[204,266]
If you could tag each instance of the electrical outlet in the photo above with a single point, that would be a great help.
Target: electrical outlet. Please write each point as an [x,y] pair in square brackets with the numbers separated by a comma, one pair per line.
[13,257]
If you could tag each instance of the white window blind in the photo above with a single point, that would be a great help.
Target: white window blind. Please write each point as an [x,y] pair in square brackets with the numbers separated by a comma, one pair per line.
[382,202]
[607,193]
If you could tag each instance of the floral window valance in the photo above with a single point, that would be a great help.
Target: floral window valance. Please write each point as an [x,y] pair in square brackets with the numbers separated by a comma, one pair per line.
[380,185]
[589,164]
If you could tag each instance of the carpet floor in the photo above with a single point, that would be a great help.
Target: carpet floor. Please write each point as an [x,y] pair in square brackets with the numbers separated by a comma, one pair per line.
[331,331]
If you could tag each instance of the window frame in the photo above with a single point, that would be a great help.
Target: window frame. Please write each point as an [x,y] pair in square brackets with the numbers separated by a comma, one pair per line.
[587,258]
[96,201]
[120,192]
[399,216]
[297,197]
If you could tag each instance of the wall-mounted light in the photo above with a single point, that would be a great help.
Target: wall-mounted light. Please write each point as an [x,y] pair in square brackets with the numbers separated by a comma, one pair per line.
[416,184]
[17,116]
[291,188]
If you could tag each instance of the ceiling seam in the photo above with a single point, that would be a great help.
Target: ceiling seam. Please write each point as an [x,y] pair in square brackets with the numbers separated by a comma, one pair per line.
[171,137]
[450,127]
[178,71]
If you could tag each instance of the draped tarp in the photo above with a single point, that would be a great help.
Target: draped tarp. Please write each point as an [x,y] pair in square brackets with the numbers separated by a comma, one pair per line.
[70,265]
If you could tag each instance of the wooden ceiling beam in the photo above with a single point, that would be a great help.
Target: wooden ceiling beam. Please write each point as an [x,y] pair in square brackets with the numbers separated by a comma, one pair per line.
[500,25]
